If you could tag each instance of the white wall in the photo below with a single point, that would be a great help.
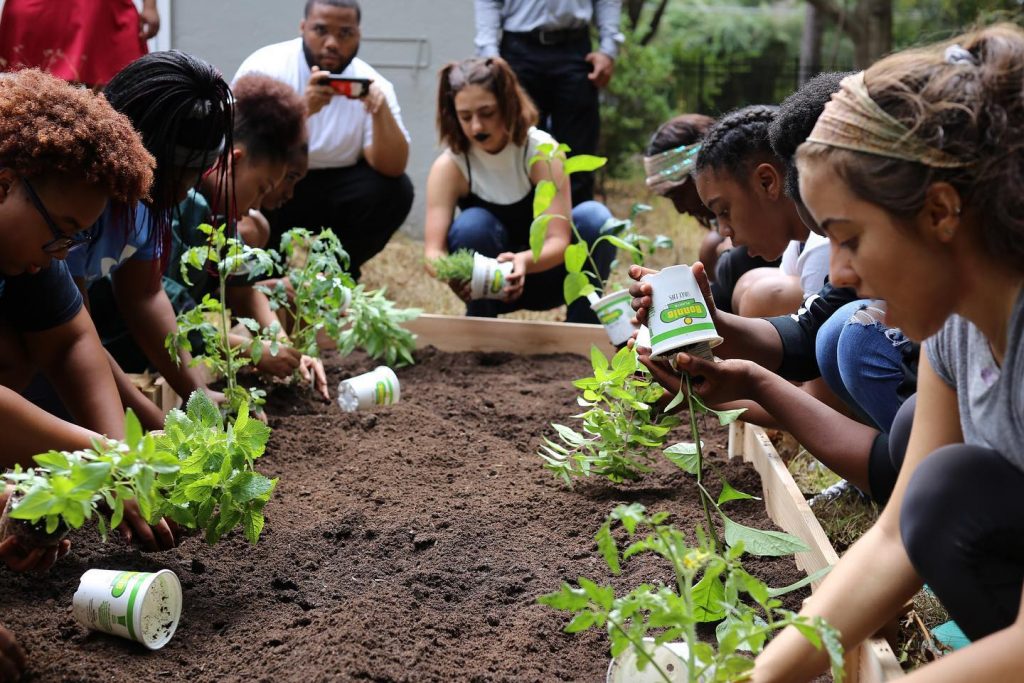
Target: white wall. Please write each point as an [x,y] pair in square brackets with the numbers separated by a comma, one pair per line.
[406,40]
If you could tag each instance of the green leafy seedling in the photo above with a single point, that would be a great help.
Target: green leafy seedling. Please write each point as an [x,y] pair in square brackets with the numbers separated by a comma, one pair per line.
[454,267]
[708,586]
[376,327]
[217,488]
[620,426]
[71,487]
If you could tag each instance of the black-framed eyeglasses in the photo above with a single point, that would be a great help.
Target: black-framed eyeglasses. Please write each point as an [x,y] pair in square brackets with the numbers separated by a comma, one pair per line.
[60,242]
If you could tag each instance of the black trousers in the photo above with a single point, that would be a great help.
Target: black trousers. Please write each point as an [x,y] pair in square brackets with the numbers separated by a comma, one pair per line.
[361,206]
[963,527]
[556,78]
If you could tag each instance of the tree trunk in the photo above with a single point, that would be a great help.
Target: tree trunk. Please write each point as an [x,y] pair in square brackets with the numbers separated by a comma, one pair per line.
[810,43]
[875,16]
[633,10]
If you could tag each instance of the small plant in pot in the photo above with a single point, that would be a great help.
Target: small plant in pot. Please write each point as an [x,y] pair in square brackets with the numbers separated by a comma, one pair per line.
[611,305]
[217,487]
[708,586]
[485,275]
[67,488]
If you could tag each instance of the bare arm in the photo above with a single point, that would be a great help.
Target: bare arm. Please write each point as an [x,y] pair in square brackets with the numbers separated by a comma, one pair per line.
[388,154]
[150,318]
[72,358]
[29,430]
[853,605]
[559,233]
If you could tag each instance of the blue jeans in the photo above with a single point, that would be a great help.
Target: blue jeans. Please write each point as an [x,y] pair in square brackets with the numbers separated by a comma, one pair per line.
[860,359]
[479,230]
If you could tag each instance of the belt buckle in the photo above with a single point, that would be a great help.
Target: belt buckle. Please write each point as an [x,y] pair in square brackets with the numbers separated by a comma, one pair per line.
[544,39]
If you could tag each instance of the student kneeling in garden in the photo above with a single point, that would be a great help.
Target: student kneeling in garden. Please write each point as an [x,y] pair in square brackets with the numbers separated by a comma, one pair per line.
[486,121]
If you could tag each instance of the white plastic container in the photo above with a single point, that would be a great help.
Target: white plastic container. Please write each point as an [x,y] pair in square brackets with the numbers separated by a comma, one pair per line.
[671,657]
[616,314]
[379,387]
[679,318]
[488,281]
[140,606]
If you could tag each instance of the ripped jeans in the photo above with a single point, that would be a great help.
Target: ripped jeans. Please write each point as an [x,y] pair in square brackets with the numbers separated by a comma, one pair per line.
[861,360]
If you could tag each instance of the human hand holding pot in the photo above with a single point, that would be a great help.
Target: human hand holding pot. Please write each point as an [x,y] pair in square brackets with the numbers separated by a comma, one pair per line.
[12,657]
[516,280]
[20,558]
[641,291]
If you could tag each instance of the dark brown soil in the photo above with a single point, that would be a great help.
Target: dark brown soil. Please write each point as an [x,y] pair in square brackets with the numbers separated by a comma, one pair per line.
[404,544]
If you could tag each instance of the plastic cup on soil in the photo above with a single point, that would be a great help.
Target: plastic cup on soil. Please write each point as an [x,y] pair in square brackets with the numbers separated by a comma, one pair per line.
[379,387]
[488,281]
[616,314]
[140,606]
[671,658]
[679,318]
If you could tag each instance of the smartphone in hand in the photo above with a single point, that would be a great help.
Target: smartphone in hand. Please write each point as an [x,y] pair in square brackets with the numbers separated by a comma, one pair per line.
[353,88]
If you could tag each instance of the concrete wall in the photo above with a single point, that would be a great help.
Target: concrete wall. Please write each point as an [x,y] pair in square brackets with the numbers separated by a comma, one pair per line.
[406,40]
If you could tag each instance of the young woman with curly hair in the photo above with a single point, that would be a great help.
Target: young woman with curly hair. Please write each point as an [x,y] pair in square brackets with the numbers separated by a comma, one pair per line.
[64,153]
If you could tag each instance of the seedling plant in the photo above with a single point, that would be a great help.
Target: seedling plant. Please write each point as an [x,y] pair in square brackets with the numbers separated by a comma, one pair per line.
[454,267]
[217,487]
[316,288]
[67,488]
[211,320]
[710,585]
[376,327]
[621,424]
[581,269]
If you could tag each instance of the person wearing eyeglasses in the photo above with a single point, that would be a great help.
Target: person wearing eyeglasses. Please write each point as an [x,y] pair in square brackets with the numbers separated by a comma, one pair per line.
[358,145]
[64,154]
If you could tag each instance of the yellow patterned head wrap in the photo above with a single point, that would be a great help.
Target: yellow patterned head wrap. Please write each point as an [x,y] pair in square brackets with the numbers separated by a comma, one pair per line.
[854,121]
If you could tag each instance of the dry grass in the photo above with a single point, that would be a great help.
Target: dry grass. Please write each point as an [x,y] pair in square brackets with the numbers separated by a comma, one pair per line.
[400,266]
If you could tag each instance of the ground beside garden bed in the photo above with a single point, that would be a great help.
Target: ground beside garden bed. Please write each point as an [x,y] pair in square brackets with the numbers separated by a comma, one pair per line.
[404,544]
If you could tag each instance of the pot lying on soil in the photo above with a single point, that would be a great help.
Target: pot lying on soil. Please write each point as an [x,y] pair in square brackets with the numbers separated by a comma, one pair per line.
[671,658]
[141,606]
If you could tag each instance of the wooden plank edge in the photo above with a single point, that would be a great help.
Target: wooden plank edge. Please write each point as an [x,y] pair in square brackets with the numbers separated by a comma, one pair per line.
[527,337]
[873,661]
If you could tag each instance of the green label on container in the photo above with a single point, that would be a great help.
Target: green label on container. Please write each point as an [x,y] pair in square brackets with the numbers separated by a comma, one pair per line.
[685,310]
[499,281]
[608,317]
[383,393]
[120,584]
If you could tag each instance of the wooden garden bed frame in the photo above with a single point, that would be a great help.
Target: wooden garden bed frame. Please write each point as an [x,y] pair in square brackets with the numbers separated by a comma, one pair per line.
[871,662]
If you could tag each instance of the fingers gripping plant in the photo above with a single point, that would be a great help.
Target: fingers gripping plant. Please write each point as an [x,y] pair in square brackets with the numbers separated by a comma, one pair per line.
[211,320]
[217,487]
[581,269]
[320,287]
[71,488]
[620,423]
[709,586]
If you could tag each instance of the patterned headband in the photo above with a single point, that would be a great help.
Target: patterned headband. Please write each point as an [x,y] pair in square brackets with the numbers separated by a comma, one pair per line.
[853,120]
[670,168]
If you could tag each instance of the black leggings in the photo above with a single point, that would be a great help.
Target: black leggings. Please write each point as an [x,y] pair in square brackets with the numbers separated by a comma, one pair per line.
[962,525]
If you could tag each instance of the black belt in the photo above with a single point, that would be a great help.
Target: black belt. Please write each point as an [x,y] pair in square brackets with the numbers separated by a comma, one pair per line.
[542,36]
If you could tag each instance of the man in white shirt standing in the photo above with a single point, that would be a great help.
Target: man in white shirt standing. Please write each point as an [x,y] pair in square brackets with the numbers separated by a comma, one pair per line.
[358,146]
[547,44]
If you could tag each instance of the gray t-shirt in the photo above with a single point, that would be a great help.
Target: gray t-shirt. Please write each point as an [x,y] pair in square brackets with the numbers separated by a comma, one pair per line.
[991,398]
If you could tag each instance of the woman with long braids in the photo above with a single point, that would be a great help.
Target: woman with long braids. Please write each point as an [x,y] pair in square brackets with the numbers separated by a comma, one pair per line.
[182,108]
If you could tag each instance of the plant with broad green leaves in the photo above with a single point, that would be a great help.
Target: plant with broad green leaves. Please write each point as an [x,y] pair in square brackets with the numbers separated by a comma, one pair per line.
[581,268]
[71,487]
[621,424]
[211,320]
[320,288]
[376,327]
[454,267]
[217,487]
[708,587]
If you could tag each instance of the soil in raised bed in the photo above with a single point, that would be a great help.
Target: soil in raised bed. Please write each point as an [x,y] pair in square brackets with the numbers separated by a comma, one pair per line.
[408,543]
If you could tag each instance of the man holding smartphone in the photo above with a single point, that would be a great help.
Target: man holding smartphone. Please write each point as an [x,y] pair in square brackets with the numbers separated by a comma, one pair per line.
[358,145]
[547,44]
